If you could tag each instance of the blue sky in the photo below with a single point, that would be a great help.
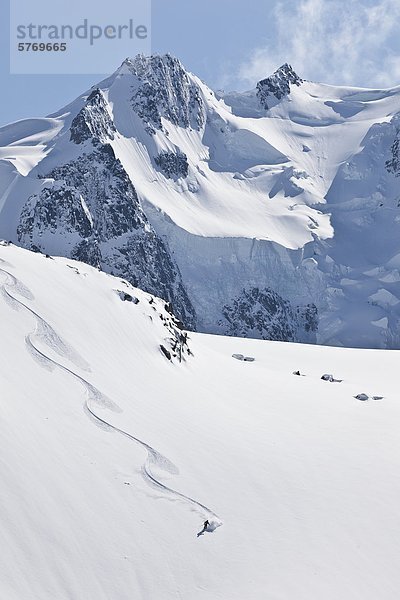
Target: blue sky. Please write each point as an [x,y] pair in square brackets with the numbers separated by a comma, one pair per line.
[231,44]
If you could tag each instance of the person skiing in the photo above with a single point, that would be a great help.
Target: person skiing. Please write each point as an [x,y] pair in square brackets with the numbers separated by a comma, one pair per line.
[205,526]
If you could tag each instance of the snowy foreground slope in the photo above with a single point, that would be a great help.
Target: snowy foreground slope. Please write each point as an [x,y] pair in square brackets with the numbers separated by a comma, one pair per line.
[298,478]
[273,213]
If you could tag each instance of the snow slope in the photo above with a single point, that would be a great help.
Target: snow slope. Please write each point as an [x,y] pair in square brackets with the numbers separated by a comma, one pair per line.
[300,477]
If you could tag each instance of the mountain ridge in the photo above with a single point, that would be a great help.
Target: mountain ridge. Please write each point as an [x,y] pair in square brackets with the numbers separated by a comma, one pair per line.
[241,196]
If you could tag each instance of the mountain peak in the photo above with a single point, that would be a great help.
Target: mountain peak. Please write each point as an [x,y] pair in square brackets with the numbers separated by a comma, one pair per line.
[287,71]
[164,89]
[277,85]
[142,66]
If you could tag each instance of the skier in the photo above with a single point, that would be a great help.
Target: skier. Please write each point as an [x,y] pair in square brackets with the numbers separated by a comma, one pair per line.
[205,525]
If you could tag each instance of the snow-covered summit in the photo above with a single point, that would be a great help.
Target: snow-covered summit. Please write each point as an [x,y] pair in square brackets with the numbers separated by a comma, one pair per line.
[277,85]
[164,90]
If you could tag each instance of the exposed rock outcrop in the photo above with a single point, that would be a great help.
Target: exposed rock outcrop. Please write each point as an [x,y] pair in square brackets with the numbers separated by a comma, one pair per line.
[277,85]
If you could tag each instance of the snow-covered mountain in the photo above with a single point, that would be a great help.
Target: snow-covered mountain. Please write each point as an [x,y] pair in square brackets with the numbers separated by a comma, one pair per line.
[108,471]
[273,213]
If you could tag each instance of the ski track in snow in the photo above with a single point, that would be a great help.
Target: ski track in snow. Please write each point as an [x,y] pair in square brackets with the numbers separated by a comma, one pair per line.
[46,334]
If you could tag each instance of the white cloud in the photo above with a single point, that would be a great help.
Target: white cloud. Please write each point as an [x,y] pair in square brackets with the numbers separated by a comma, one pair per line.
[334,41]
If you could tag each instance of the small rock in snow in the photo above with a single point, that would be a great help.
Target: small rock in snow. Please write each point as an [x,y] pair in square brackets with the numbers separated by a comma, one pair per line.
[127,297]
[327,377]
[166,352]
